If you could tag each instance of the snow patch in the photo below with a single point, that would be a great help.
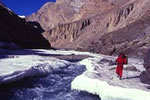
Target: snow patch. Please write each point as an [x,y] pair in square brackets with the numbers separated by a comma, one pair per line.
[22,16]
[91,63]
[106,91]
[100,79]
[77,4]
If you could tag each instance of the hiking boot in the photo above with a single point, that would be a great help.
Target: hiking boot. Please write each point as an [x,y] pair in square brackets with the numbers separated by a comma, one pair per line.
[120,78]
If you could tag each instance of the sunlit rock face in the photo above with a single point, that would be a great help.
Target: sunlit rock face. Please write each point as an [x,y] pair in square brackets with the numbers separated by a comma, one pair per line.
[64,11]
[17,30]
[101,26]
[123,28]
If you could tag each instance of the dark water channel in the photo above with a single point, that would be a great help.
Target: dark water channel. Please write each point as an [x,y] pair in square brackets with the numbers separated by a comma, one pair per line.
[56,86]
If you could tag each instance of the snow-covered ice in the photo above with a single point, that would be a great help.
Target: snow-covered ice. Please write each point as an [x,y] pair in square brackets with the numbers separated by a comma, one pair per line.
[107,91]
[13,69]
[100,79]
[55,85]
[19,64]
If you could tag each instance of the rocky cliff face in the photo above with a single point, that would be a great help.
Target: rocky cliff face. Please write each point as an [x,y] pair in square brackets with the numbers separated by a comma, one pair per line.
[63,35]
[124,28]
[66,11]
[17,30]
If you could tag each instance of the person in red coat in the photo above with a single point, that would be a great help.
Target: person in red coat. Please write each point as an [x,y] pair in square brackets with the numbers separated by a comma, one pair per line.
[121,60]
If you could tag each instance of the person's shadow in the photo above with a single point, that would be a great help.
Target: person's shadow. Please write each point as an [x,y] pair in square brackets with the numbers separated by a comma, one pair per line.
[132,77]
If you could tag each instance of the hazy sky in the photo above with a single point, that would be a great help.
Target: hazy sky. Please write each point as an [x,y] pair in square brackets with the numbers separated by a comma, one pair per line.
[25,7]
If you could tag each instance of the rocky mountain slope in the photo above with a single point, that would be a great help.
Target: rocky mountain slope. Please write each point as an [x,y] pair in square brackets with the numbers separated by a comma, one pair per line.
[16,30]
[124,28]
[65,11]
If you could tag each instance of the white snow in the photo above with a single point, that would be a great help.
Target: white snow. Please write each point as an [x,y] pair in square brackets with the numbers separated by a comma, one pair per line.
[100,79]
[77,5]
[21,16]
[64,52]
[30,62]
[106,91]
[90,63]
[13,69]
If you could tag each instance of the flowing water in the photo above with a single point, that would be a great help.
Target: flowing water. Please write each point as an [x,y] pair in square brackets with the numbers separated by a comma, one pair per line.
[56,86]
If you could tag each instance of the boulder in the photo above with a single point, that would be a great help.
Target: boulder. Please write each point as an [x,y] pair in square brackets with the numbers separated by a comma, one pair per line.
[145,75]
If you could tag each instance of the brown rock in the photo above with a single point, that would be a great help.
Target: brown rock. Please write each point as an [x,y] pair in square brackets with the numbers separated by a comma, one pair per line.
[65,11]
[124,28]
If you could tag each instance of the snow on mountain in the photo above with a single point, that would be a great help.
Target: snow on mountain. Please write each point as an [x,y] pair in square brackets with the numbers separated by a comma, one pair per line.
[77,5]
[21,16]
[100,79]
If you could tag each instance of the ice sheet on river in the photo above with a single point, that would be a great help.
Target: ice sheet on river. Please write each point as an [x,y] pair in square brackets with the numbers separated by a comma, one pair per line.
[18,64]
[13,69]
[100,79]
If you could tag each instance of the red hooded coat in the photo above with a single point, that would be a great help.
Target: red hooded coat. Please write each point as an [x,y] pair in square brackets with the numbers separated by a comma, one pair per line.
[120,61]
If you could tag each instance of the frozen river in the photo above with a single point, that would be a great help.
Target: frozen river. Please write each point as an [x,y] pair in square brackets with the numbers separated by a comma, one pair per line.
[56,86]
[41,75]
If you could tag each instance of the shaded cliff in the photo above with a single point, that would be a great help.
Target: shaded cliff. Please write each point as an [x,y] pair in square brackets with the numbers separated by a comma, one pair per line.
[17,30]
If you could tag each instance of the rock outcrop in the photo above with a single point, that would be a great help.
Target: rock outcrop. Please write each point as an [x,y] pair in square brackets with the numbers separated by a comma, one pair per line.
[14,29]
[62,35]
[145,75]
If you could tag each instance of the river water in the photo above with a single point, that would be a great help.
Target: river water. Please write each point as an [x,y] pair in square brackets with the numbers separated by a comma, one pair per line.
[55,86]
